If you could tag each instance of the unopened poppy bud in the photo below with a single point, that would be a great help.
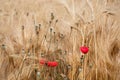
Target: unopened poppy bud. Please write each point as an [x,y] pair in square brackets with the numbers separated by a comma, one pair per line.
[3,46]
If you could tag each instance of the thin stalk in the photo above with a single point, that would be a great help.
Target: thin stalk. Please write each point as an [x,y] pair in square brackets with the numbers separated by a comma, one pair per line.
[30,70]
[96,58]
[50,40]
[37,35]
[23,36]
[21,66]
[44,37]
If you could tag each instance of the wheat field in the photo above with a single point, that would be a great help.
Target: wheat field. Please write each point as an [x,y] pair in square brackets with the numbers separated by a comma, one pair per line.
[55,30]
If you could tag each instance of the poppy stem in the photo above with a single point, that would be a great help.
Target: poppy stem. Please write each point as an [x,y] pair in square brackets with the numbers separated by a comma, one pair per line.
[71,29]
[21,66]
[96,58]
[37,37]
[23,36]
[50,40]
[54,40]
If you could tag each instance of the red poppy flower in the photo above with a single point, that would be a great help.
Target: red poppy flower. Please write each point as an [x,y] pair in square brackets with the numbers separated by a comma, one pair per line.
[52,64]
[42,61]
[84,49]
